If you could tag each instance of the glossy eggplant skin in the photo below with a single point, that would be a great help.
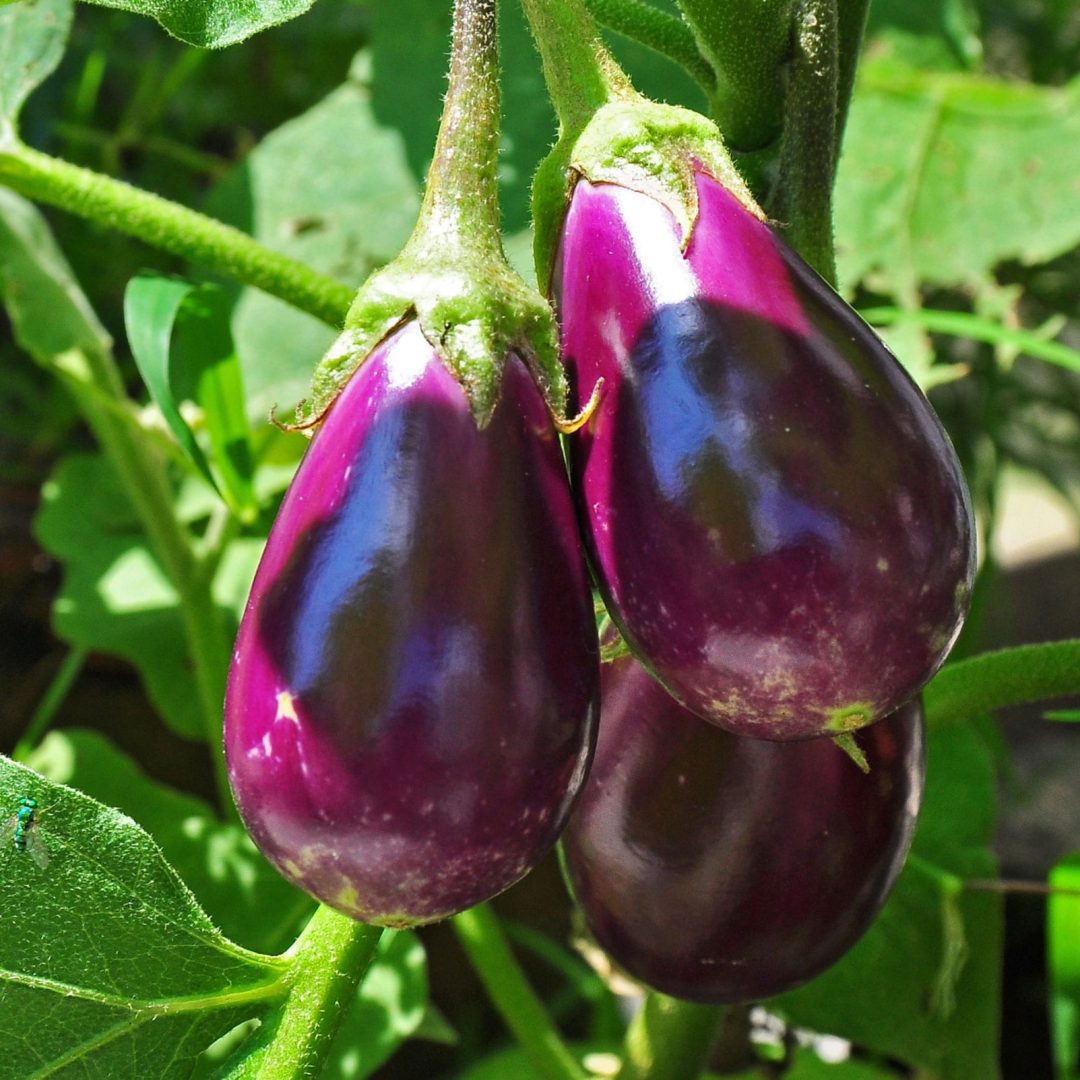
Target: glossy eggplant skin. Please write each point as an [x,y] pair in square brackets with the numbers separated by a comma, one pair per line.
[723,869]
[776,518]
[412,700]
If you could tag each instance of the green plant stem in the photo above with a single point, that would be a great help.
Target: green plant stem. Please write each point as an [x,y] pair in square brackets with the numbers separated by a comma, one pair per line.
[851,25]
[669,1039]
[746,43]
[141,471]
[482,939]
[995,680]
[581,74]
[326,964]
[663,33]
[809,147]
[61,684]
[461,194]
[961,324]
[171,227]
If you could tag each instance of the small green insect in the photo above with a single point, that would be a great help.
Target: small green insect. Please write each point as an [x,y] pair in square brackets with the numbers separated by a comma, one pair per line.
[25,831]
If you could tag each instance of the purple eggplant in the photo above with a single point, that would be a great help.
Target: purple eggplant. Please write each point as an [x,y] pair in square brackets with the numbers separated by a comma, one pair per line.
[776,518]
[724,869]
[411,706]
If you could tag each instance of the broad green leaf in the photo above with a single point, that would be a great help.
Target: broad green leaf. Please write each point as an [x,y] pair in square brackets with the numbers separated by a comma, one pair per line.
[213,24]
[919,986]
[245,897]
[942,34]
[179,335]
[33,36]
[115,596]
[108,966]
[1063,964]
[49,312]
[944,175]
[331,188]
[390,1004]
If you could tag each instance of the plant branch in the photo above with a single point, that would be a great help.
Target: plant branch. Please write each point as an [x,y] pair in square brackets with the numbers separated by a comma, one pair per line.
[141,472]
[326,964]
[482,939]
[810,141]
[746,43]
[1028,673]
[62,681]
[174,228]
[961,324]
[462,185]
[580,73]
[669,1039]
[663,33]
[851,24]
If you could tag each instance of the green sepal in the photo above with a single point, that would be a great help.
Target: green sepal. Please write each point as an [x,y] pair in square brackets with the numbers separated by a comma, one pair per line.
[637,144]
[473,309]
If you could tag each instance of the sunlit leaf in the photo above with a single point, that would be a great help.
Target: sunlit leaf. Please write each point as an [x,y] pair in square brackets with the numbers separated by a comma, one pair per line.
[33,36]
[108,966]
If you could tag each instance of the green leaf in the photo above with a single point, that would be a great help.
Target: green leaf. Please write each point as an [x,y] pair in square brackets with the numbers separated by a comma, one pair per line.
[390,1004]
[213,24]
[33,36]
[200,365]
[246,898]
[1063,964]
[151,307]
[943,176]
[115,596]
[900,991]
[939,34]
[49,312]
[108,965]
[333,189]
[1065,716]
[808,1066]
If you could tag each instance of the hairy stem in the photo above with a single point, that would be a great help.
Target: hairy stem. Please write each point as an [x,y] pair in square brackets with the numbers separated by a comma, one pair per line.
[994,680]
[482,939]
[663,33]
[809,145]
[326,964]
[851,15]
[461,194]
[581,74]
[173,228]
[746,43]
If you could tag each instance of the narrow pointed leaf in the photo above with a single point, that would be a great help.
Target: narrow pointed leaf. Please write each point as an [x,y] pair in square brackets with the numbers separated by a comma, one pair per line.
[151,308]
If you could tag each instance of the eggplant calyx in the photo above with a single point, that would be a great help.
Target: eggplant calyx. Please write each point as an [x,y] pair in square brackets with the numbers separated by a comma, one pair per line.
[639,144]
[474,311]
